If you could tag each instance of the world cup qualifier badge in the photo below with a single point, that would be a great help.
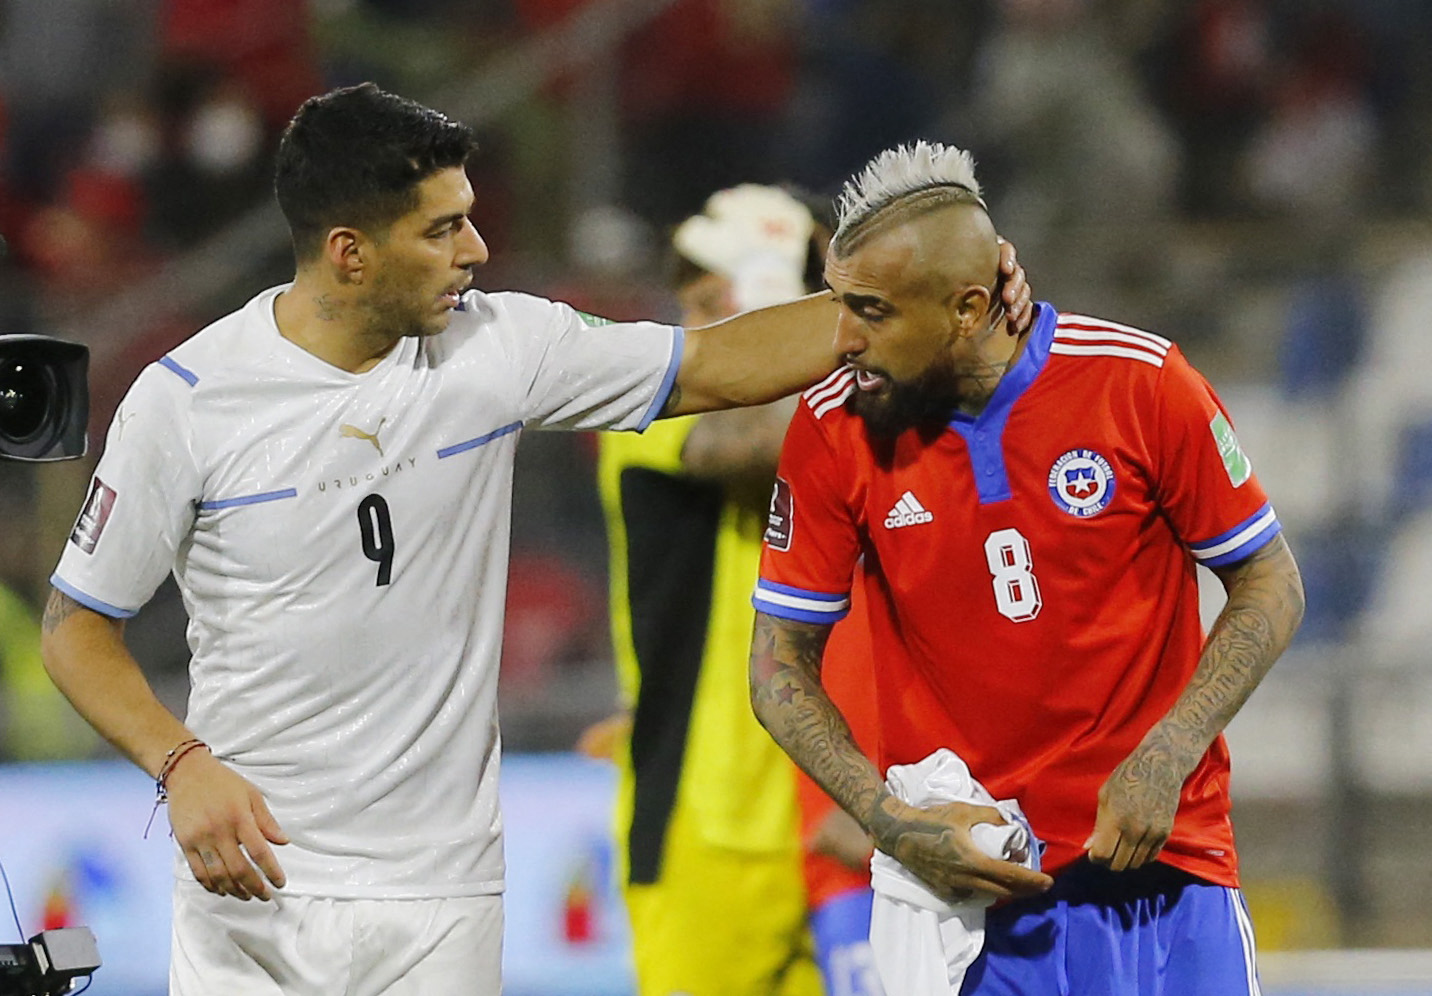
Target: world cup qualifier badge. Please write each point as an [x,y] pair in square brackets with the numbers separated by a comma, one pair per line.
[1081,482]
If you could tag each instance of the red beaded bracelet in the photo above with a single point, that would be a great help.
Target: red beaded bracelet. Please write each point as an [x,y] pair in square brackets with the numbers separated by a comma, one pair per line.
[176,754]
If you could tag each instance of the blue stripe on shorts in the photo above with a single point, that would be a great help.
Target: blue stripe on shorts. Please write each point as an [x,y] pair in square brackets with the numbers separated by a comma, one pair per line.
[1156,931]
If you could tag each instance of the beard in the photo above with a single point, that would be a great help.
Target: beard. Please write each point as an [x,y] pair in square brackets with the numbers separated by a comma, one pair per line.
[928,399]
[395,310]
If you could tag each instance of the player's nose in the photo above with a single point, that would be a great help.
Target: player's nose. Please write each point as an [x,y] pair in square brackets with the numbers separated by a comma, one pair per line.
[471,249]
[849,339]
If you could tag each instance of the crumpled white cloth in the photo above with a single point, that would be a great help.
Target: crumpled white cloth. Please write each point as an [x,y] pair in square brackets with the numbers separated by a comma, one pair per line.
[923,945]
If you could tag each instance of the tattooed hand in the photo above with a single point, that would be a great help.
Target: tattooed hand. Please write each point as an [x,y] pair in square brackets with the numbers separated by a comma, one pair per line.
[1138,802]
[934,842]
[1136,809]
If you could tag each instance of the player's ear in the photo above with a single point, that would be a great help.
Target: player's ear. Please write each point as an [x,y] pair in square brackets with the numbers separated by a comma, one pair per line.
[344,251]
[967,309]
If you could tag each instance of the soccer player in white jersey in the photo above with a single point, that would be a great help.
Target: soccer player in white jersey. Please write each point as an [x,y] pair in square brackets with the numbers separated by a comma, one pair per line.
[327,472]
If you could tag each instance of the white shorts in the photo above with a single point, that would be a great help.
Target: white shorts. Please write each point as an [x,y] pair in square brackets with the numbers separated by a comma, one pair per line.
[307,946]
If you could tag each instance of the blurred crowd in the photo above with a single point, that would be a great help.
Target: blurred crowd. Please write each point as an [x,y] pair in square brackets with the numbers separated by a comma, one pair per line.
[1149,158]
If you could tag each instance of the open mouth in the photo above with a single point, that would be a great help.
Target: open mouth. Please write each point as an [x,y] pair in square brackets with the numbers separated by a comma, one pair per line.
[869,380]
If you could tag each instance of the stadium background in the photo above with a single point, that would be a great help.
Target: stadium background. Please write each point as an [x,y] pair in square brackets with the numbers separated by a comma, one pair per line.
[1252,178]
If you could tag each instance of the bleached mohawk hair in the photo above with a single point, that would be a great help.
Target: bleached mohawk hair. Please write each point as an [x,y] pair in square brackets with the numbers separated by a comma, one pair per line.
[900,173]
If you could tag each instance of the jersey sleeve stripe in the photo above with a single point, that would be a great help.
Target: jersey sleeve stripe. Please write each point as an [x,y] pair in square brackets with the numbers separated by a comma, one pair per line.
[255,499]
[89,601]
[172,365]
[473,444]
[1119,338]
[802,606]
[1143,356]
[1241,542]
[833,382]
[678,349]
[833,403]
[831,397]
[1215,541]
[775,588]
[1104,325]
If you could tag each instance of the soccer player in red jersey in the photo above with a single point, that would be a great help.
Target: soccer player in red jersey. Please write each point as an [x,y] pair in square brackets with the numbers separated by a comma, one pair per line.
[1030,509]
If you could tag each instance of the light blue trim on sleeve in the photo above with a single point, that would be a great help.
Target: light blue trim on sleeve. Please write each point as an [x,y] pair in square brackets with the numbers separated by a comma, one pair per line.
[798,615]
[89,601]
[800,604]
[1246,550]
[678,348]
[1203,546]
[172,365]
[1240,542]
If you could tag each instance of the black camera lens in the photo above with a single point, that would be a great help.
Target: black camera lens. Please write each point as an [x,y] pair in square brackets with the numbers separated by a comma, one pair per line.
[44,398]
[28,392]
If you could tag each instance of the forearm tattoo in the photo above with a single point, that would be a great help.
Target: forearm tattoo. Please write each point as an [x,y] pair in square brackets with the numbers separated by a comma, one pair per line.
[1265,605]
[59,608]
[789,701]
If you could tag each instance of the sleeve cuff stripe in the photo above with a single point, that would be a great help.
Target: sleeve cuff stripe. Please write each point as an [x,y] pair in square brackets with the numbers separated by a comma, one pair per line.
[768,587]
[1247,549]
[1236,537]
[89,601]
[825,617]
[817,606]
[678,349]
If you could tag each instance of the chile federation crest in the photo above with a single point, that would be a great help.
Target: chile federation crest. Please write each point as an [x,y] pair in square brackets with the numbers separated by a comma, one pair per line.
[1081,482]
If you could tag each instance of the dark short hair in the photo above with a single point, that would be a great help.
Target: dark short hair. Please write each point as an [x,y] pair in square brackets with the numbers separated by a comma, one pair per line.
[355,156]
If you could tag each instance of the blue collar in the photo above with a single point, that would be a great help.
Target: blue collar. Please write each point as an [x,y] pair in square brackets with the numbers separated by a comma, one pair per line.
[984,433]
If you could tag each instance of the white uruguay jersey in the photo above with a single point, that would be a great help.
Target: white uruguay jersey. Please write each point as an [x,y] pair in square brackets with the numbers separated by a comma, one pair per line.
[341,543]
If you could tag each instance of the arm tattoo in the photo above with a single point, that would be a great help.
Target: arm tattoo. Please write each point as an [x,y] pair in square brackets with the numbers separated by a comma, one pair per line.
[59,608]
[789,701]
[1265,605]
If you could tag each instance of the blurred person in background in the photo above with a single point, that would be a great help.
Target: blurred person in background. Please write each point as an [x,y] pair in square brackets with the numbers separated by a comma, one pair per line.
[1029,510]
[36,723]
[719,865]
[327,472]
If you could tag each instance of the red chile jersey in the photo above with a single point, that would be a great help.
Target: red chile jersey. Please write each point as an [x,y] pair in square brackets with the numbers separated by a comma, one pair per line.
[1031,593]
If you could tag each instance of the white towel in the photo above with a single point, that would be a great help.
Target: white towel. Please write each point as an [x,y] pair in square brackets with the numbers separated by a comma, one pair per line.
[923,945]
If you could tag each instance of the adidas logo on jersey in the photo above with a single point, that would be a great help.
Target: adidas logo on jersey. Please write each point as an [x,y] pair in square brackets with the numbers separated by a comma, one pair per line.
[907,512]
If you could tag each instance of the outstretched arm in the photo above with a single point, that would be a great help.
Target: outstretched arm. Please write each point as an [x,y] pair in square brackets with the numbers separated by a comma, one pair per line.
[933,843]
[759,356]
[1137,803]
[212,809]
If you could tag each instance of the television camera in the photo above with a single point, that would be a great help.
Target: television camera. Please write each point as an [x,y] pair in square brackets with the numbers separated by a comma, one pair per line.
[49,963]
[44,398]
[44,407]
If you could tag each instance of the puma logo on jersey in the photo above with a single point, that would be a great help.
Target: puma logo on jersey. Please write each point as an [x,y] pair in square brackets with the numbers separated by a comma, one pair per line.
[907,512]
[353,432]
[121,419]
